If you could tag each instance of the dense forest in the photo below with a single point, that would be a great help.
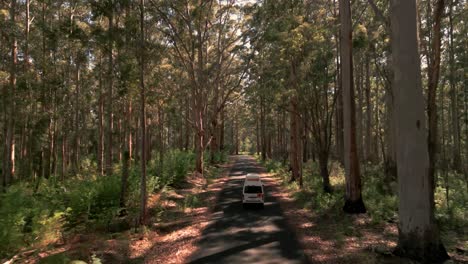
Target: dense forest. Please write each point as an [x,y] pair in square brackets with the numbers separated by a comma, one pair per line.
[106,104]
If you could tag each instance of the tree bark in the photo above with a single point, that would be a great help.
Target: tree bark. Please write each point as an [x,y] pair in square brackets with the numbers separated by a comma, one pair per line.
[418,234]
[353,198]
[221,130]
[295,130]
[109,103]
[100,150]
[143,195]
[434,72]
[454,96]
[263,128]
[8,168]
[369,142]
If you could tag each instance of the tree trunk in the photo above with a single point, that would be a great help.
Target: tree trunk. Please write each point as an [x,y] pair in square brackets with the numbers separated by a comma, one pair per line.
[100,150]
[418,234]
[294,149]
[124,181]
[143,195]
[199,137]
[187,126]
[353,198]
[369,141]
[323,163]
[110,95]
[8,168]
[76,138]
[390,141]
[263,128]
[221,130]
[433,72]
[359,114]
[454,96]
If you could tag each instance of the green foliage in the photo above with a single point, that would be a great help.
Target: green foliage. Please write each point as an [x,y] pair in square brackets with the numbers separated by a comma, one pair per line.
[193,201]
[27,218]
[379,196]
[173,169]
[83,202]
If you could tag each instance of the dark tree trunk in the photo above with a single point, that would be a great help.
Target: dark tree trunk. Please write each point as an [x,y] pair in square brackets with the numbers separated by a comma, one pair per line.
[323,163]
[109,103]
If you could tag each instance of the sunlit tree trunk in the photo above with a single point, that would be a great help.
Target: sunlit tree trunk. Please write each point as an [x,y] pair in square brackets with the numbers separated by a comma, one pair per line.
[418,234]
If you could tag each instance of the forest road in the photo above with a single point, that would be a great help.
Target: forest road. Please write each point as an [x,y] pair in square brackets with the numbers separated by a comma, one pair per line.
[252,235]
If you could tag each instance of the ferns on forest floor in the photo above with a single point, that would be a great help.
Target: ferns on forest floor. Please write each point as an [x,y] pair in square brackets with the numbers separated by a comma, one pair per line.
[84,201]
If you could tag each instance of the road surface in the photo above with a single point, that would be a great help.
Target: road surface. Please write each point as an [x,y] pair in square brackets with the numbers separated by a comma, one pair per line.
[253,235]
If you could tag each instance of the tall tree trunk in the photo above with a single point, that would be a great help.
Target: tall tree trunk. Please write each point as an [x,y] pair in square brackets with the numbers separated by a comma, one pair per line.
[124,181]
[129,140]
[390,141]
[263,128]
[339,102]
[199,137]
[369,141]
[8,170]
[76,138]
[109,103]
[359,115]
[454,95]
[418,234]
[353,197]
[143,195]
[187,125]
[100,150]
[221,130]
[433,72]
[295,130]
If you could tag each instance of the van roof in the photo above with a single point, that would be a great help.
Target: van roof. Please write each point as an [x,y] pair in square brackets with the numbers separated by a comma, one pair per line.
[251,176]
[252,179]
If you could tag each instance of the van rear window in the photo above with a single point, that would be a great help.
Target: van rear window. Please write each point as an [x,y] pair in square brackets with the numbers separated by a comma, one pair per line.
[253,189]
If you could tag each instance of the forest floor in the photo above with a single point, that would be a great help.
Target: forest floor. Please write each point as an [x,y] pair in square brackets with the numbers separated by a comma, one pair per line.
[202,221]
[178,215]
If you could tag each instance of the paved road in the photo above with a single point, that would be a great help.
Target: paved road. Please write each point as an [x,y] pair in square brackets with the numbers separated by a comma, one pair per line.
[247,236]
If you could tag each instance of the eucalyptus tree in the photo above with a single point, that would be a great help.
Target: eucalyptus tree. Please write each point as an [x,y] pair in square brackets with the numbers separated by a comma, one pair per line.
[319,97]
[418,233]
[203,37]
[353,197]
[9,90]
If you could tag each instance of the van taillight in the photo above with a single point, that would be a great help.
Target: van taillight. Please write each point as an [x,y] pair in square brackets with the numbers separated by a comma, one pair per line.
[259,195]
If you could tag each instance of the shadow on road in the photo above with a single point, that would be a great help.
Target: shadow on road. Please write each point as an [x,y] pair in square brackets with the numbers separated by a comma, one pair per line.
[255,235]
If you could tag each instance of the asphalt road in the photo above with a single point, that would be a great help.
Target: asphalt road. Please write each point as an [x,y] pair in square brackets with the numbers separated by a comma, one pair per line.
[252,235]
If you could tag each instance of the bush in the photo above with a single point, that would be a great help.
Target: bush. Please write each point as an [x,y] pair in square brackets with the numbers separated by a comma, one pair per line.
[28,218]
[175,167]
[37,213]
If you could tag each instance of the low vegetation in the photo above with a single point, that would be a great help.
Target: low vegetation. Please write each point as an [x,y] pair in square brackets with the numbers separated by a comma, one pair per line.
[46,211]
[380,198]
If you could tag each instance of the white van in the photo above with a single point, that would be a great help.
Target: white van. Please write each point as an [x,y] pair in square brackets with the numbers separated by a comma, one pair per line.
[252,191]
